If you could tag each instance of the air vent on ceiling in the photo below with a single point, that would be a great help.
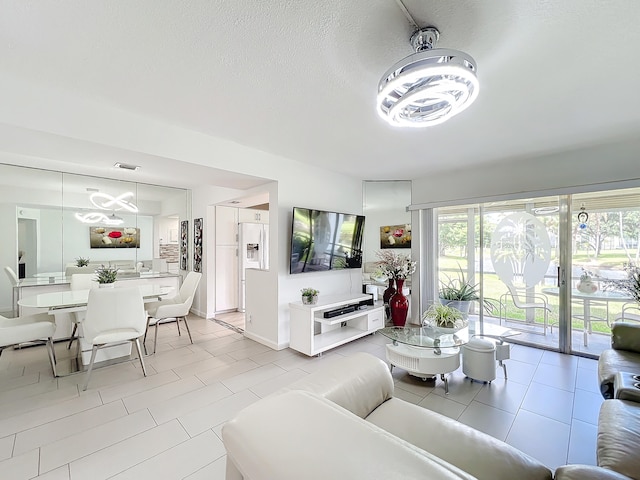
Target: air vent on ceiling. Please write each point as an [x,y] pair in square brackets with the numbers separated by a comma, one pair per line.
[234,202]
[126,166]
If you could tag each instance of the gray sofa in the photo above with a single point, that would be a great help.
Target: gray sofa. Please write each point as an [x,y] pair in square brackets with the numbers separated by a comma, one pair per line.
[623,356]
[343,422]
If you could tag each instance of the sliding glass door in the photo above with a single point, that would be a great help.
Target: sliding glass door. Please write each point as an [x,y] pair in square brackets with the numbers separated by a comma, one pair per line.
[508,250]
[605,234]
[541,264]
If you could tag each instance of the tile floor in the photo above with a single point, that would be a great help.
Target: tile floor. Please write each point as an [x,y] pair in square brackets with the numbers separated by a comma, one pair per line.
[168,424]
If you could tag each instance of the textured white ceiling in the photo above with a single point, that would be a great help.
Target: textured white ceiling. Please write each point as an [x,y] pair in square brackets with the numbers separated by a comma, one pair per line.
[299,79]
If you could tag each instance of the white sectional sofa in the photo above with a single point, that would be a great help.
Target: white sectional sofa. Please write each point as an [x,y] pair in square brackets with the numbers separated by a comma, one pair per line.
[343,422]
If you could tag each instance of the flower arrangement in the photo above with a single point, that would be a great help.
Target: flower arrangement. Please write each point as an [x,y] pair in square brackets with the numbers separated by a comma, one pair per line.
[82,262]
[395,265]
[106,274]
[629,285]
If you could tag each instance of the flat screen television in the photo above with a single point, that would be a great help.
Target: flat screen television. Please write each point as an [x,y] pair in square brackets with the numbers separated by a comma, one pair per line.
[325,240]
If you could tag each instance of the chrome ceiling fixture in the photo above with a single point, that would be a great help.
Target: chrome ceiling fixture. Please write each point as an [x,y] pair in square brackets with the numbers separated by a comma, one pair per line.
[428,87]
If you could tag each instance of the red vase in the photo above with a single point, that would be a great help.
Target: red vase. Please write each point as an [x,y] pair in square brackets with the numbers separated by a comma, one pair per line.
[388,293]
[399,305]
[386,296]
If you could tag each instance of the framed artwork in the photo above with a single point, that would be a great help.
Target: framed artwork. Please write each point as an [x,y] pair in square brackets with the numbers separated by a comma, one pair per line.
[103,237]
[197,245]
[395,236]
[184,243]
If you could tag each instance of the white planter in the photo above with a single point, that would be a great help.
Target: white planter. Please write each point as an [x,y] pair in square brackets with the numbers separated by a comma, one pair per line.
[309,300]
[106,285]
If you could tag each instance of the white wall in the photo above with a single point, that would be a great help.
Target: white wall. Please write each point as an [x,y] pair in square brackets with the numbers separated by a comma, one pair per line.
[584,168]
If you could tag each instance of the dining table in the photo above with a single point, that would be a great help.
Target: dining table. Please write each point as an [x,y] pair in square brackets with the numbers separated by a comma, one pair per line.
[587,299]
[61,304]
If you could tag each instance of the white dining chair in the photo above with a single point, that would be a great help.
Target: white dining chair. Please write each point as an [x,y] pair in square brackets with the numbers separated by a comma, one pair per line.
[186,293]
[80,281]
[167,313]
[114,316]
[13,279]
[29,328]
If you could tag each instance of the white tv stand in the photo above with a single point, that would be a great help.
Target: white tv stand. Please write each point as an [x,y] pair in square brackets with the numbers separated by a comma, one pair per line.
[312,334]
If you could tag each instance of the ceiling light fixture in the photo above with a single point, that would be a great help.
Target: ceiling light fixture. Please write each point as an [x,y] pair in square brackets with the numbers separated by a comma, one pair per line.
[127,166]
[428,87]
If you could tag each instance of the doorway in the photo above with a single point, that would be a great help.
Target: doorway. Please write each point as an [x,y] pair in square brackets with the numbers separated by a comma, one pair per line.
[27,247]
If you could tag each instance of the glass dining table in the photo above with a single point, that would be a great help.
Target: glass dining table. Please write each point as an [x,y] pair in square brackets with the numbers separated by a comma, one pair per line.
[587,298]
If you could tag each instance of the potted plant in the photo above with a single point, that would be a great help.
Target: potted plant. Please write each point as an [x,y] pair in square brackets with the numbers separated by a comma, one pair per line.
[82,262]
[444,318]
[106,276]
[309,296]
[458,293]
[629,285]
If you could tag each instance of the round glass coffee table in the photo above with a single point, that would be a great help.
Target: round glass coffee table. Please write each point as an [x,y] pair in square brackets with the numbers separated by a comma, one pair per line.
[425,352]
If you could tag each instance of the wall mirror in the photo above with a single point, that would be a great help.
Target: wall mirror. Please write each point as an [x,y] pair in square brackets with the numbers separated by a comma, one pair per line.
[49,219]
[388,223]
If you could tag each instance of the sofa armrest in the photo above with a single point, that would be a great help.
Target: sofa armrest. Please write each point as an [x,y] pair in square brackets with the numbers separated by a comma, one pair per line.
[471,450]
[586,472]
[619,437]
[625,336]
[301,435]
[358,383]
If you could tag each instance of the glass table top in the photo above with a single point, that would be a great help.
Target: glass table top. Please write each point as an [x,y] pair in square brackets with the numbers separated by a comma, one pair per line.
[430,337]
[426,336]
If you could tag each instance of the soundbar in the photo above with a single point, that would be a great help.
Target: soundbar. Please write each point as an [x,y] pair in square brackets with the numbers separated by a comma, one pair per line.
[340,311]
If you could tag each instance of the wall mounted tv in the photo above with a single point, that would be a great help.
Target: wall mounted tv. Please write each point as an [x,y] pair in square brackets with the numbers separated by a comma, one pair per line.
[325,240]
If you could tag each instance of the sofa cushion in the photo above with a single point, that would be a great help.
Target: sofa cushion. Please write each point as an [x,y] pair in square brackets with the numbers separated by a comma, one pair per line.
[586,472]
[473,451]
[358,383]
[613,361]
[619,437]
[299,435]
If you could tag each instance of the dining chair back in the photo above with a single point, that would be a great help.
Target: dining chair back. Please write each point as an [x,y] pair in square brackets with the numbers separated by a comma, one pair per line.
[80,281]
[13,278]
[189,286]
[74,270]
[114,315]
[159,265]
[29,328]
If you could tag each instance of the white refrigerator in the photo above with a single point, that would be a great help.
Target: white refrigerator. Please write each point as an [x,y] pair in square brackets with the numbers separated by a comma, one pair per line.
[253,252]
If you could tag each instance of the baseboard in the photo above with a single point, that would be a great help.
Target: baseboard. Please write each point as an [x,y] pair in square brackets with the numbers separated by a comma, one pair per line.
[198,313]
[265,341]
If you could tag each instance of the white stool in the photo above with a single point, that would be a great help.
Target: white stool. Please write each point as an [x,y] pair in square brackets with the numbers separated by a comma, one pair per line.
[479,360]
[479,355]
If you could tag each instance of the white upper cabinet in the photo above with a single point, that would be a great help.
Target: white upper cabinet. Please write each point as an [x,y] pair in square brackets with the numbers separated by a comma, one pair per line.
[250,215]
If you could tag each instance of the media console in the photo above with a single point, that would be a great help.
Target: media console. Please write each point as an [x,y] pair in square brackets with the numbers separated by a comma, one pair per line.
[333,321]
